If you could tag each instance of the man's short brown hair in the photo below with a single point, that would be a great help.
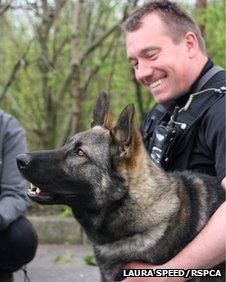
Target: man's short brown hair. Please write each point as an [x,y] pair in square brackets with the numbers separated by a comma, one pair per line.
[178,22]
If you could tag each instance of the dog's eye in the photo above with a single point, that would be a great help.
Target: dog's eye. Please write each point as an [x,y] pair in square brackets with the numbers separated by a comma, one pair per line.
[79,153]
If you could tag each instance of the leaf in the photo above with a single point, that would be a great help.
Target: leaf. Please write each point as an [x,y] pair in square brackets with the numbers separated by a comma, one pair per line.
[90,260]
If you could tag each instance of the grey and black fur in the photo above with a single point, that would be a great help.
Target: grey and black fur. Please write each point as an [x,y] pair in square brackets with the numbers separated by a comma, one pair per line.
[130,208]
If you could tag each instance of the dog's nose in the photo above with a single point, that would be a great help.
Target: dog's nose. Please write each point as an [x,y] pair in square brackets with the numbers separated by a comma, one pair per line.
[23,160]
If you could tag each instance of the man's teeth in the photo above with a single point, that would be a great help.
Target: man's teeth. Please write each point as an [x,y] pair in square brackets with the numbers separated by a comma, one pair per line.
[157,82]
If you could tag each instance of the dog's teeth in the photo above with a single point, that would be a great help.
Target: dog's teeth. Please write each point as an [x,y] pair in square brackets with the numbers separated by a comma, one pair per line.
[38,190]
[33,190]
[32,187]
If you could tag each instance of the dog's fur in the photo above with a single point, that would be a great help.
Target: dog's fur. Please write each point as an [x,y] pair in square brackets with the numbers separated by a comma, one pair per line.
[130,208]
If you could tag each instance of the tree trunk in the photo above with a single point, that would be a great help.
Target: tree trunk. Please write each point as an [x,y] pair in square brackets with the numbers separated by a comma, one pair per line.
[201,5]
[75,64]
[48,17]
[138,94]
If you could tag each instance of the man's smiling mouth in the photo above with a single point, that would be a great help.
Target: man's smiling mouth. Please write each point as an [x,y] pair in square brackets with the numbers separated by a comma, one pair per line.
[157,82]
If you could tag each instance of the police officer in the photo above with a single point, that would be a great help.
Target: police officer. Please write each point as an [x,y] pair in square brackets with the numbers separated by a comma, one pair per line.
[186,128]
[18,240]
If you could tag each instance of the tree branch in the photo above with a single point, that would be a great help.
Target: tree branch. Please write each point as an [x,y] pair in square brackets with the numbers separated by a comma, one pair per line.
[96,69]
[57,50]
[107,33]
[98,42]
[63,87]
[21,62]
[5,7]
[114,59]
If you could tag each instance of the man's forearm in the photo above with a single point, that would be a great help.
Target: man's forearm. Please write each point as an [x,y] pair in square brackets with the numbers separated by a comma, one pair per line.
[208,248]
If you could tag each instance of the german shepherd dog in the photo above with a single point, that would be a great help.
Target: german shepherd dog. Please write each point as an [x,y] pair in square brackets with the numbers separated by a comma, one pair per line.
[129,207]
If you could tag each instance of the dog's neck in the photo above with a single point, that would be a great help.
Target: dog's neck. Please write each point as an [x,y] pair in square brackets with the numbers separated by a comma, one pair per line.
[94,219]
[140,170]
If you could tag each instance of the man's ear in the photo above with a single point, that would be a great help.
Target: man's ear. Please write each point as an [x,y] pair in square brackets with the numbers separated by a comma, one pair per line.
[122,133]
[191,43]
[100,110]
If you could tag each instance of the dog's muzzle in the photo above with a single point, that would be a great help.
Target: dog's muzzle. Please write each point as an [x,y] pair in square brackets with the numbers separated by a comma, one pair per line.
[39,190]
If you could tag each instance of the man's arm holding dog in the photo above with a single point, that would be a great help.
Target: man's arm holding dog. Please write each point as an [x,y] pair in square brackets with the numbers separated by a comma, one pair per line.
[205,251]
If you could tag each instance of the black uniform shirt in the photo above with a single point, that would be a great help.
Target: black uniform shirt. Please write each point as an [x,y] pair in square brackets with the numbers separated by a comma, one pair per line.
[208,148]
[208,152]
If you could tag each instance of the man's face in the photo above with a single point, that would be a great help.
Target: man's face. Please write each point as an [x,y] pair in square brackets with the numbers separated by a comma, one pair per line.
[160,64]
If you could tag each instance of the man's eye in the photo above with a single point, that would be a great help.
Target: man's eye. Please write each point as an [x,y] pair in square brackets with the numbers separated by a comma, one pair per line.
[79,152]
[134,64]
[151,57]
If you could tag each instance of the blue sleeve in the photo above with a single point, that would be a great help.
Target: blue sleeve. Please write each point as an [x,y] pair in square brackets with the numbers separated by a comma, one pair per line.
[13,198]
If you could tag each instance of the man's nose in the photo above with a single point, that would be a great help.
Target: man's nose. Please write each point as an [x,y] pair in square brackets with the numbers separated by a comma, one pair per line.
[144,73]
[23,160]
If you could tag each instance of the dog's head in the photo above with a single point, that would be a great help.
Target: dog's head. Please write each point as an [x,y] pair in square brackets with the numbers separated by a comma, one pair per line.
[92,164]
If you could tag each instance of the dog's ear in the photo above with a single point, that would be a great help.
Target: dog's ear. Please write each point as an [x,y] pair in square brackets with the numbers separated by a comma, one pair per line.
[101,111]
[127,139]
[122,133]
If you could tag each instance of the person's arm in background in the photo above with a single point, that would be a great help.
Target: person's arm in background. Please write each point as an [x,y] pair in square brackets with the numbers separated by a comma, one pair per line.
[205,251]
[223,183]
[13,198]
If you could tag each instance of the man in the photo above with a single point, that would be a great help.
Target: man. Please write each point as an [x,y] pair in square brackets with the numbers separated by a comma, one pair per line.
[18,240]
[167,52]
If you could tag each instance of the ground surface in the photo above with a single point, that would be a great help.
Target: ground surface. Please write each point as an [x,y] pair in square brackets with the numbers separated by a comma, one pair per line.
[60,263]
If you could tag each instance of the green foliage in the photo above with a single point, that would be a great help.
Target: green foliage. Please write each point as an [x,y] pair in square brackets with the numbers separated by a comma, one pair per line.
[112,72]
[90,260]
[213,18]
[25,97]
[65,212]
